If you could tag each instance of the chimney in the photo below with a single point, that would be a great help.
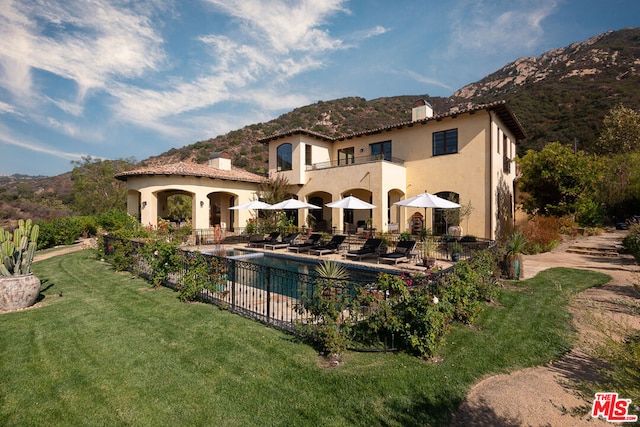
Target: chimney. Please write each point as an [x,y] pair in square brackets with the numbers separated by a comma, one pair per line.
[421,110]
[220,160]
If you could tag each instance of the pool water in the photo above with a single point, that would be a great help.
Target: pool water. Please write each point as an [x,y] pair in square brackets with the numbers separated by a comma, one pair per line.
[298,265]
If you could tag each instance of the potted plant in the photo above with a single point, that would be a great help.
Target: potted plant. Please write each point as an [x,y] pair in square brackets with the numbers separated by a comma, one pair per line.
[455,249]
[428,247]
[18,287]
[513,258]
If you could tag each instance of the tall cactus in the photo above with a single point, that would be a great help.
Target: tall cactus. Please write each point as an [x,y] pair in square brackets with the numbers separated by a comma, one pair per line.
[18,249]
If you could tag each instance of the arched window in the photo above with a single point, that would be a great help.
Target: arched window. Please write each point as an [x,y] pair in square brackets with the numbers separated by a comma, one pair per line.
[284,153]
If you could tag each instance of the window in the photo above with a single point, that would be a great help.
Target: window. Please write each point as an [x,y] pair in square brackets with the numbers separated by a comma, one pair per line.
[307,155]
[346,156]
[445,142]
[382,150]
[284,157]
[443,218]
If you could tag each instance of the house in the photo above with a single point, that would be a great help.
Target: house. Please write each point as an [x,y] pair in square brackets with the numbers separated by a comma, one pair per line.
[213,188]
[465,155]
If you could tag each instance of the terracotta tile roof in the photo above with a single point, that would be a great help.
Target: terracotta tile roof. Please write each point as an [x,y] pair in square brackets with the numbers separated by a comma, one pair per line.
[194,169]
[500,107]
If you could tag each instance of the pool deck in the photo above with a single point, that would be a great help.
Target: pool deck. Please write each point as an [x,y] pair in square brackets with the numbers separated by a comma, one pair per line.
[409,267]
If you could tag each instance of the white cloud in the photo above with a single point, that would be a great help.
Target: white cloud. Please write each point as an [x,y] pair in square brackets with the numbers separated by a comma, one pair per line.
[491,27]
[6,109]
[7,138]
[288,26]
[88,42]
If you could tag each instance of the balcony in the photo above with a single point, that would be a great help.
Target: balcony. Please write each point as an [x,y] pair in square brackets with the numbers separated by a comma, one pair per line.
[355,161]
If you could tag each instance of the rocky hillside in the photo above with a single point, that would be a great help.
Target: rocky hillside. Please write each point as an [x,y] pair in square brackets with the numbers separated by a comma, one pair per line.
[563,94]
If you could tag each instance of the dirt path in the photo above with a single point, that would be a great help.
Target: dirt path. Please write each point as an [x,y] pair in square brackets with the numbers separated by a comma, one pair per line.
[82,244]
[543,396]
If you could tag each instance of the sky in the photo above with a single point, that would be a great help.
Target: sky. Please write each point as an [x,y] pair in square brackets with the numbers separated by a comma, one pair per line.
[133,79]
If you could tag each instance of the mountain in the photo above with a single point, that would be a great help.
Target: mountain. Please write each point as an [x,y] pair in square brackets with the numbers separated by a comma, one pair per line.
[561,95]
[564,94]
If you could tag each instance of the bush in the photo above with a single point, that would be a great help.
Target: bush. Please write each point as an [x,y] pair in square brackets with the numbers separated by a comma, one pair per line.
[631,242]
[542,234]
[62,231]
[115,220]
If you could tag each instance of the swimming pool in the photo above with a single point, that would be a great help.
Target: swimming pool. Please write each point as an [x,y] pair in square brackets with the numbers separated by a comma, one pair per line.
[300,265]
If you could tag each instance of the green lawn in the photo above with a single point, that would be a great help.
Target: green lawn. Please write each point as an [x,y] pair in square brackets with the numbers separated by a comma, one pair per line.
[112,351]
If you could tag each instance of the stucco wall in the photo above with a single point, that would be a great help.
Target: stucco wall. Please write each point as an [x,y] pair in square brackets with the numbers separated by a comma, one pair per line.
[150,189]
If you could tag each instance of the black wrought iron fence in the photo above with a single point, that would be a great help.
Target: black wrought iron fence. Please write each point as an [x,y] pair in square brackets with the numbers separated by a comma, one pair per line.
[268,294]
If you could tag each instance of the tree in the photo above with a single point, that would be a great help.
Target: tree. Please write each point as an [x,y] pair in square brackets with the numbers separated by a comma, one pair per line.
[95,189]
[556,181]
[273,191]
[620,188]
[179,207]
[620,133]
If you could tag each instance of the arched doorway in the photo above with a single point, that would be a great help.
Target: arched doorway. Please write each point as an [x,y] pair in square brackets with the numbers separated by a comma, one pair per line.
[321,217]
[175,206]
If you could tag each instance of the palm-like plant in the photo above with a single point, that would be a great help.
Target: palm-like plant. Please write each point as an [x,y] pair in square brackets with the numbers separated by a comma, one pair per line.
[516,243]
[332,270]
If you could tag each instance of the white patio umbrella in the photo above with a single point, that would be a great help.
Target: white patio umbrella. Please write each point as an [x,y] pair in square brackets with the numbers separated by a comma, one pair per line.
[256,204]
[427,200]
[292,204]
[350,202]
[253,205]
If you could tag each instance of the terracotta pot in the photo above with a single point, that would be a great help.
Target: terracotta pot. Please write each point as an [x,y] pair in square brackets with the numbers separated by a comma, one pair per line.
[18,291]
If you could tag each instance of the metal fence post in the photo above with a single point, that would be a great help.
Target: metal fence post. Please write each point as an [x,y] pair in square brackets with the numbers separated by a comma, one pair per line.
[268,275]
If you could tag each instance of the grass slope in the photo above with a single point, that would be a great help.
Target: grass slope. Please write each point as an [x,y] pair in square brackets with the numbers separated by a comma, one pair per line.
[112,351]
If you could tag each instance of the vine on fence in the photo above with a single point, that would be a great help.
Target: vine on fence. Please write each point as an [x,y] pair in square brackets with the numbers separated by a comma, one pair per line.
[157,259]
[417,310]
[201,274]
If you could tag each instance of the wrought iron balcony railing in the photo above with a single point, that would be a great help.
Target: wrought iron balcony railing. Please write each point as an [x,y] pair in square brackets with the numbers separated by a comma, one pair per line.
[355,161]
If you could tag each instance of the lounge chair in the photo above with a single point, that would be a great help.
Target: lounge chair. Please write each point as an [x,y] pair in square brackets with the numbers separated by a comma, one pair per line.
[285,242]
[369,249]
[402,253]
[271,238]
[330,248]
[307,245]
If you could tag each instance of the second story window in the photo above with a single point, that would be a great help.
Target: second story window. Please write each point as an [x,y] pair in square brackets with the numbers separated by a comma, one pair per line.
[382,150]
[445,142]
[346,156]
[308,160]
[284,154]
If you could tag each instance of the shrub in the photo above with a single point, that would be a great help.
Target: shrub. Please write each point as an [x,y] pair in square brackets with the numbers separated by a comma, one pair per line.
[115,220]
[162,258]
[542,233]
[63,231]
[326,304]
[631,242]
[487,266]
[415,315]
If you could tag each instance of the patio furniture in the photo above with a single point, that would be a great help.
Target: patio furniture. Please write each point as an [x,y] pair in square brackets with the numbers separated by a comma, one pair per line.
[271,238]
[330,248]
[402,253]
[285,242]
[369,249]
[307,245]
